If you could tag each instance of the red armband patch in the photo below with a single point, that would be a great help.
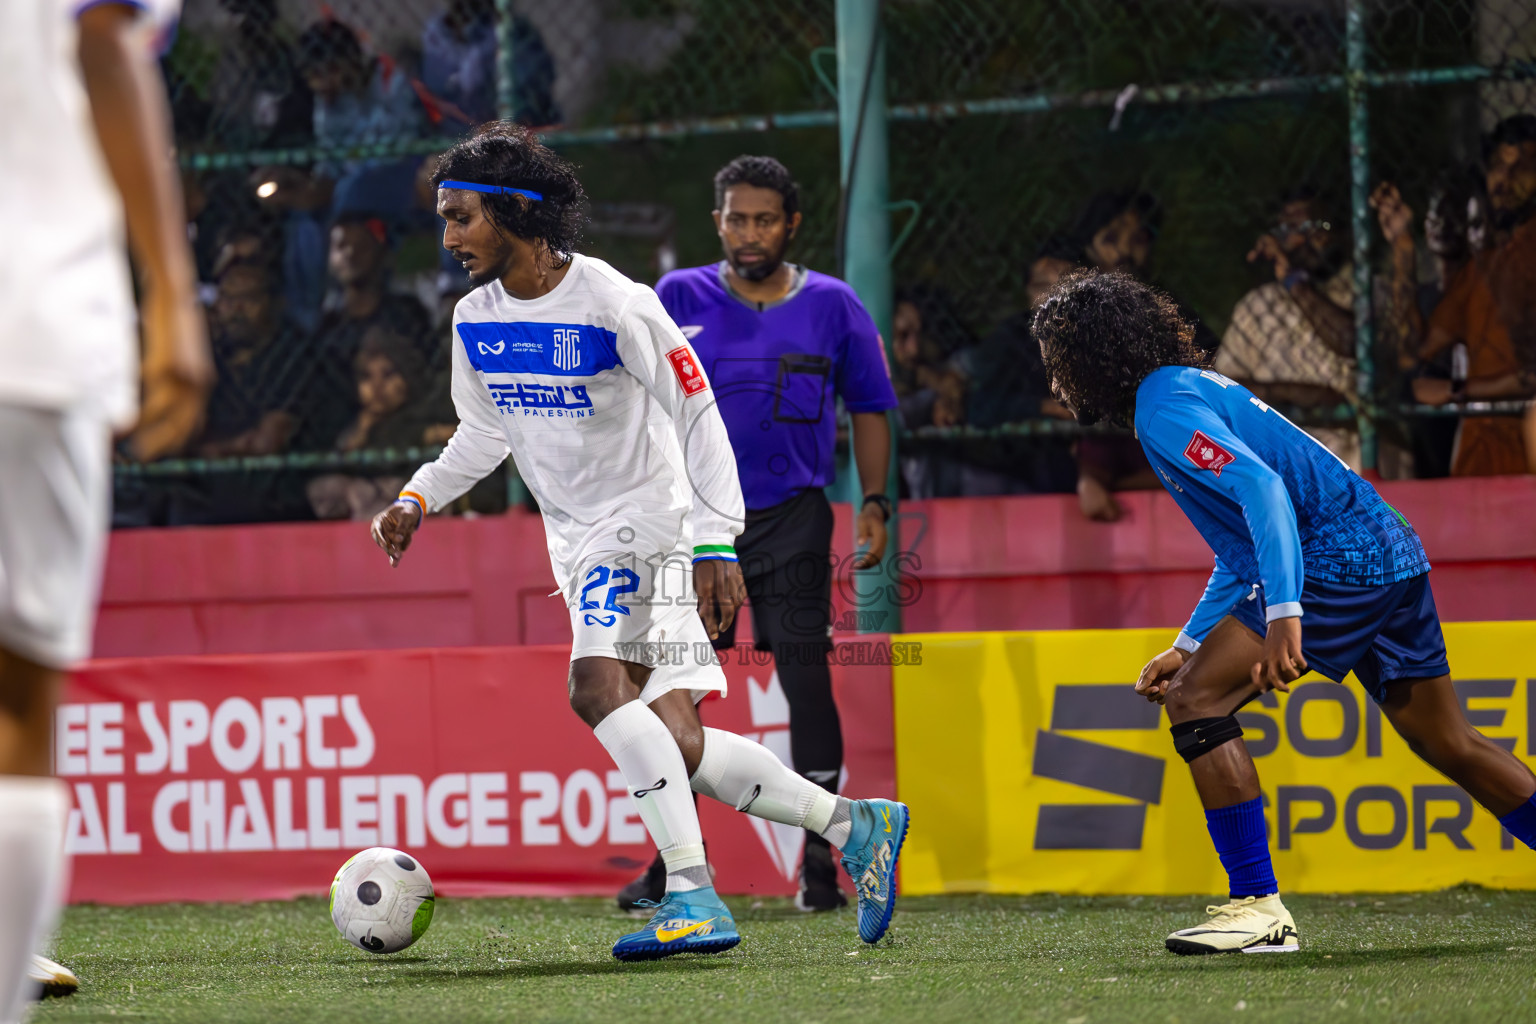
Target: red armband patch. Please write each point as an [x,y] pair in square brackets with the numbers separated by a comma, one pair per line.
[689,374]
[1207,454]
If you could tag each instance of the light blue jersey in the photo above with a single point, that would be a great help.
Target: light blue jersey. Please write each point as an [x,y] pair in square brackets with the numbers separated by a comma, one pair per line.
[1275,506]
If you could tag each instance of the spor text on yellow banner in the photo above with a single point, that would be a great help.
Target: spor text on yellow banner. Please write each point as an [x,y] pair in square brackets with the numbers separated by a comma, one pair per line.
[1032,766]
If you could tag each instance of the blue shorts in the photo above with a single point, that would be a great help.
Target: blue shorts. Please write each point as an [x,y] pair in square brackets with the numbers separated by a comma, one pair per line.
[1382,634]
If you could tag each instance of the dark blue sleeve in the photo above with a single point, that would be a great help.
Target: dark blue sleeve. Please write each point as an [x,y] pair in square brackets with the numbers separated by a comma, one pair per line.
[863,375]
[1247,480]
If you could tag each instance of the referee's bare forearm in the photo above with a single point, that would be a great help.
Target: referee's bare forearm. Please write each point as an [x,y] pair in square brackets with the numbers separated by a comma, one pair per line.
[871,449]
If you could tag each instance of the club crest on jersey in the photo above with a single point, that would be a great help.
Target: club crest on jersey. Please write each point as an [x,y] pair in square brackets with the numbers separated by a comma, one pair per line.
[1207,454]
[686,365]
[567,355]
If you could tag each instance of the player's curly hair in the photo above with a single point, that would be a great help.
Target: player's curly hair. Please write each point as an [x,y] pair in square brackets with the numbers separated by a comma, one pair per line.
[1101,334]
[506,153]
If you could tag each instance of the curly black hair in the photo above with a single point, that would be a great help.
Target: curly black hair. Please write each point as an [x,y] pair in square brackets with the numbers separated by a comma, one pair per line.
[506,153]
[760,172]
[1101,334]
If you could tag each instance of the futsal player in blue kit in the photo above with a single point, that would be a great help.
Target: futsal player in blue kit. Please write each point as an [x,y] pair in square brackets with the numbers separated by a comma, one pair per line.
[781,344]
[1313,570]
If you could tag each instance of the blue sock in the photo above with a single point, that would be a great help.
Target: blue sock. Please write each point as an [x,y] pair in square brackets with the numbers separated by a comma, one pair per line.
[1521,822]
[1238,832]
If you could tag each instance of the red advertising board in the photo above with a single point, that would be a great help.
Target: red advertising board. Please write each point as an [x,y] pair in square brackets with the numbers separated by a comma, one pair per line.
[254,777]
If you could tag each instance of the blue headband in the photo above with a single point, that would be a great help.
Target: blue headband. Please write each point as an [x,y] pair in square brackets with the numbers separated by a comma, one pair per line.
[505,190]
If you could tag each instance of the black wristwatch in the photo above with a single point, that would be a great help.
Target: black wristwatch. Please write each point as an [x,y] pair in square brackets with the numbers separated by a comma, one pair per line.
[883,502]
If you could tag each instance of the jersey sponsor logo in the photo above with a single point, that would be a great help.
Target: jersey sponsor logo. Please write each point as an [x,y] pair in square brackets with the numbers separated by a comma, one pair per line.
[691,331]
[541,349]
[686,365]
[567,349]
[554,401]
[1207,454]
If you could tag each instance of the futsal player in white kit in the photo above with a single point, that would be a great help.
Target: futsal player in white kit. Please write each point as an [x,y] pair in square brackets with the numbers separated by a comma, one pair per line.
[580,374]
[86,147]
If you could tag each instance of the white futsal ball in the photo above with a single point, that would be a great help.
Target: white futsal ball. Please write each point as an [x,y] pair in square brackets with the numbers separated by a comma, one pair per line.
[381,900]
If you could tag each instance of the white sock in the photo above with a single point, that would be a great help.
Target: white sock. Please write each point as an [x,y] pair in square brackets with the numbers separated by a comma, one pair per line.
[746,775]
[33,813]
[643,749]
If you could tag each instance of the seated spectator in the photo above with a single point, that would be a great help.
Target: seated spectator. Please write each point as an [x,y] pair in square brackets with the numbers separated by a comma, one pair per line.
[1007,384]
[926,335]
[359,264]
[458,67]
[1453,199]
[927,343]
[391,383]
[1491,308]
[1292,341]
[263,364]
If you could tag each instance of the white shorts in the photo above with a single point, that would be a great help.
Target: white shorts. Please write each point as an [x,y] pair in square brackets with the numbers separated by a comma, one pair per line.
[645,612]
[55,507]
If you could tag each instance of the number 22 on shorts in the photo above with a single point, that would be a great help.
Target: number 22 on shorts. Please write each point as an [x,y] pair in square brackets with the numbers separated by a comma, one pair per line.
[620,581]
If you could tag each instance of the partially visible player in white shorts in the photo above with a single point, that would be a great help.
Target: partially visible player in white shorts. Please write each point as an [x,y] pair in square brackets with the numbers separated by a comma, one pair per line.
[54,508]
[87,142]
[578,373]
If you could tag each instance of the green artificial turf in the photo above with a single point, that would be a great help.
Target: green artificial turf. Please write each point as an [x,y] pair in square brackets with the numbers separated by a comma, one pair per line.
[1466,954]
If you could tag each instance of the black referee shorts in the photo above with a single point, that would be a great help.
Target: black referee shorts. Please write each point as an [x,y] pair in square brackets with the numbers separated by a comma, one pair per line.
[785,554]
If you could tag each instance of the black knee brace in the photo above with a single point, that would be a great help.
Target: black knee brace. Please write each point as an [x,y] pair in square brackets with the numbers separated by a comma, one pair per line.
[1203,735]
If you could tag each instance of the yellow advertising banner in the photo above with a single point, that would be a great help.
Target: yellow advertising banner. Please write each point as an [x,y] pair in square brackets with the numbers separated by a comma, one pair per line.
[1031,766]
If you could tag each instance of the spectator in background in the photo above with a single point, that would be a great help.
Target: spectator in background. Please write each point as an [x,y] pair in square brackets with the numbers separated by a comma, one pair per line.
[1116,232]
[358,100]
[458,67]
[1453,201]
[390,414]
[928,344]
[1292,341]
[1007,384]
[263,364]
[258,97]
[1491,308]
[359,264]
[361,100]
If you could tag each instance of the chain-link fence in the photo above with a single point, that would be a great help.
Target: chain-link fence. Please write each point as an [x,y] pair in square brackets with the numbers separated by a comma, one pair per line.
[1228,150]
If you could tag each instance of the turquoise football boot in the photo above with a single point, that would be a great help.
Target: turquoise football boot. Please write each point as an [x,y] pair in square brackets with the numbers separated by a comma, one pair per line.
[696,921]
[874,844]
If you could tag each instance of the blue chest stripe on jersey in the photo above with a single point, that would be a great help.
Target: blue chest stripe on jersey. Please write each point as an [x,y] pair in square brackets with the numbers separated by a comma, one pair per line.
[549,350]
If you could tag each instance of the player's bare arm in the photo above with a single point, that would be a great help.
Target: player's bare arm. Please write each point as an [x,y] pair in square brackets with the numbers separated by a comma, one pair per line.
[872,454]
[1282,663]
[132,122]
[1158,674]
[393,529]
[721,592]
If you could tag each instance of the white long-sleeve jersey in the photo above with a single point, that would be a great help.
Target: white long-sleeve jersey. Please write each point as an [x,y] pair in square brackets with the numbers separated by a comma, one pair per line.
[602,403]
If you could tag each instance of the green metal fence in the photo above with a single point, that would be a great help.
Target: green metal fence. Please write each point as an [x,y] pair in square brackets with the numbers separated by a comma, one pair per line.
[972,132]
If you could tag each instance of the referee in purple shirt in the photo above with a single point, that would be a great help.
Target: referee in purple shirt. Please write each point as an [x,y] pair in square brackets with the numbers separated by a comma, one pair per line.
[780,345]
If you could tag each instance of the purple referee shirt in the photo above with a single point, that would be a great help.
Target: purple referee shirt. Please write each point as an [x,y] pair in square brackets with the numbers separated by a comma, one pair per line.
[778,368]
